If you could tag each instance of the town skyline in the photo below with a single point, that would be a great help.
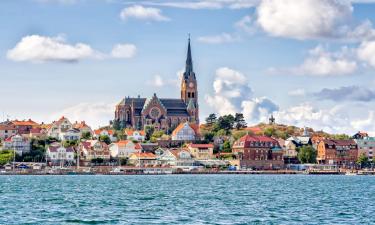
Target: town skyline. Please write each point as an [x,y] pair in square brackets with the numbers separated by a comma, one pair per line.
[246,59]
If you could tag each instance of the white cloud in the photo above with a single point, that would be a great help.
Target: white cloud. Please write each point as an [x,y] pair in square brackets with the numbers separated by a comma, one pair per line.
[142,13]
[94,114]
[297,92]
[321,62]
[219,39]
[366,52]
[37,48]
[232,94]
[204,4]
[304,19]
[158,81]
[246,24]
[365,124]
[124,51]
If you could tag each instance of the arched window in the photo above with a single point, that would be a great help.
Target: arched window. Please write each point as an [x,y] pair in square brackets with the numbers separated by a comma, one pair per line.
[192,94]
[188,94]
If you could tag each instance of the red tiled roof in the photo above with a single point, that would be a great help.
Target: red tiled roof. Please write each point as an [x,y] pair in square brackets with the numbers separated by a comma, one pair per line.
[193,126]
[144,155]
[130,132]
[28,122]
[7,127]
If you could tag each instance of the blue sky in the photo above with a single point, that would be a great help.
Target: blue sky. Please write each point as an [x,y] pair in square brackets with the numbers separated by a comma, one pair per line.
[308,62]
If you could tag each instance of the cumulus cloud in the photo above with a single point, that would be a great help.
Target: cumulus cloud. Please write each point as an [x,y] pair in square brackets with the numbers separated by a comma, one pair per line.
[37,48]
[246,24]
[303,19]
[365,124]
[350,93]
[321,62]
[366,52]
[219,39]
[94,114]
[124,51]
[233,94]
[142,13]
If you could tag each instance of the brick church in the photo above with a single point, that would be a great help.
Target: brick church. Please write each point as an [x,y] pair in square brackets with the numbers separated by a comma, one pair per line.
[162,113]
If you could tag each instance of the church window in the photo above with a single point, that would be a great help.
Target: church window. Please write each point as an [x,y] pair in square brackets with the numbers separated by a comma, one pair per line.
[192,94]
[155,113]
[188,94]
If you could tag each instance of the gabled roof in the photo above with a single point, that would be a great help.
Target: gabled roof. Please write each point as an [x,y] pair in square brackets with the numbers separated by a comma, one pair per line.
[28,122]
[7,127]
[182,125]
[130,132]
[123,143]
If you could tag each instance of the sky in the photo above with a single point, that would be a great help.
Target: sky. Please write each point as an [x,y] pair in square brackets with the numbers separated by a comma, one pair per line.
[308,62]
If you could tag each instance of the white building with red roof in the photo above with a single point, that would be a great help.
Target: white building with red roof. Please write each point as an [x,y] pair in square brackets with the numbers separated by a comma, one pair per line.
[138,135]
[58,127]
[93,149]
[105,132]
[82,127]
[185,132]
[7,131]
[17,143]
[143,159]
[59,155]
[124,148]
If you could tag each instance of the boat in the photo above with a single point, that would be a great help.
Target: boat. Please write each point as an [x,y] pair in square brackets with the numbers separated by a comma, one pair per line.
[350,173]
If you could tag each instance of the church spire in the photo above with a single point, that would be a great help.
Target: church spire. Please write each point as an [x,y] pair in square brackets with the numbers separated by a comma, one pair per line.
[189,61]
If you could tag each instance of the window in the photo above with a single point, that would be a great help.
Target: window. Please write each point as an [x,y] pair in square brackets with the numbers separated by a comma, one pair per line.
[192,94]
[188,94]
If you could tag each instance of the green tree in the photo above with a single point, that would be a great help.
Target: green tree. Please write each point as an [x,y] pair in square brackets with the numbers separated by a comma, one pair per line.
[239,121]
[105,139]
[211,119]
[227,147]
[306,154]
[341,136]
[269,131]
[238,134]
[6,156]
[86,135]
[225,122]
[149,130]
[116,125]
[157,134]
[208,136]
[70,143]
[363,161]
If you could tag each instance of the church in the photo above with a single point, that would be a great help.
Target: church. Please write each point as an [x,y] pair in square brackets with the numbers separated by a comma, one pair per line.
[162,113]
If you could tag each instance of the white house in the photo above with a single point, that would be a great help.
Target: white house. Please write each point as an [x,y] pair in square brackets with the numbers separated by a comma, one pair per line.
[124,148]
[138,135]
[58,155]
[7,131]
[93,149]
[70,135]
[185,132]
[58,127]
[18,144]
[82,127]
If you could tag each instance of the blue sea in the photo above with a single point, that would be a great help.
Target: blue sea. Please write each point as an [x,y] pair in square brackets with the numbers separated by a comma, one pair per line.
[187,199]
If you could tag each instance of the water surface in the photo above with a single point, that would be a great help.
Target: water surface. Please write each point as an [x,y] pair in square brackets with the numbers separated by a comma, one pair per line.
[187,199]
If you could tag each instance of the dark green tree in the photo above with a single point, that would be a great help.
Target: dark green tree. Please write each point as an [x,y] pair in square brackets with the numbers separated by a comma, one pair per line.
[86,135]
[225,122]
[116,125]
[306,154]
[239,121]
[211,119]
[105,139]
[149,130]
[363,161]
[227,146]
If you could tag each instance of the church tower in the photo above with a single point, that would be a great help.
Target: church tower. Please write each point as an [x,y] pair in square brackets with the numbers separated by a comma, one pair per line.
[189,87]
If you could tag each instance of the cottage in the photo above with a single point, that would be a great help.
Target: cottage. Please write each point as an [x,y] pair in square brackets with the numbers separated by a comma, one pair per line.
[18,144]
[137,135]
[24,126]
[185,132]
[7,131]
[58,155]
[142,159]
[72,134]
[82,127]
[93,149]
[105,132]
[58,127]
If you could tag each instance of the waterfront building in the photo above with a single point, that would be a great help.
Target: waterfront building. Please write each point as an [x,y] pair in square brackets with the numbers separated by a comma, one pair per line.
[291,145]
[82,127]
[258,152]
[59,155]
[7,131]
[137,135]
[179,158]
[124,148]
[142,159]
[17,143]
[341,152]
[201,151]
[162,113]
[366,146]
[57,127]
[93,149]
[185,132]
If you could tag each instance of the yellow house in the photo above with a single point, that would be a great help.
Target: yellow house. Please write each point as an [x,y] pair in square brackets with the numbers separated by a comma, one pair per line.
[201,151]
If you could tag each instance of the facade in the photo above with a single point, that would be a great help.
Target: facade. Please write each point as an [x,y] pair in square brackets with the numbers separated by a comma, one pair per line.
[58,155]
[366,146]
[38,133]
[137,135]
[291,145]
[7,131]
[124,148]
[105,132]
[258,152]
[18,144]
[82,127]
[201,151]
[58,127]
[177,158]
[162,113]
[142,159]
[72,134]
[93,149]
[185,132]
[341,152]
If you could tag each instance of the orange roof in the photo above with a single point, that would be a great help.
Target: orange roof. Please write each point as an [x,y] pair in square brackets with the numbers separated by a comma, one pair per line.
[130,132]
[123,143]
[254,129]
[144,155]
[98,131]
[28,122]
[80,125]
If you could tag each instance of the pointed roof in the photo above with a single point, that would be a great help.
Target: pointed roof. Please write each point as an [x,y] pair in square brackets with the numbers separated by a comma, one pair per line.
[189,63]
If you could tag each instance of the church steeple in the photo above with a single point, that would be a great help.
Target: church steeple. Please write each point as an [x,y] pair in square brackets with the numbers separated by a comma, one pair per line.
[189,62]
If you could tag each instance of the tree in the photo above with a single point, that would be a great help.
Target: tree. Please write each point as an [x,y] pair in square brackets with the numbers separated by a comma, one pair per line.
[6,156]
[211,119]
[238,134]
[116,125]
[306,154]
[363,161]
[225,122]
[86,135]
[105,139]
[208,136]
[70,143]
[227,146]
[149,130]
[239,121]
[269,131]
